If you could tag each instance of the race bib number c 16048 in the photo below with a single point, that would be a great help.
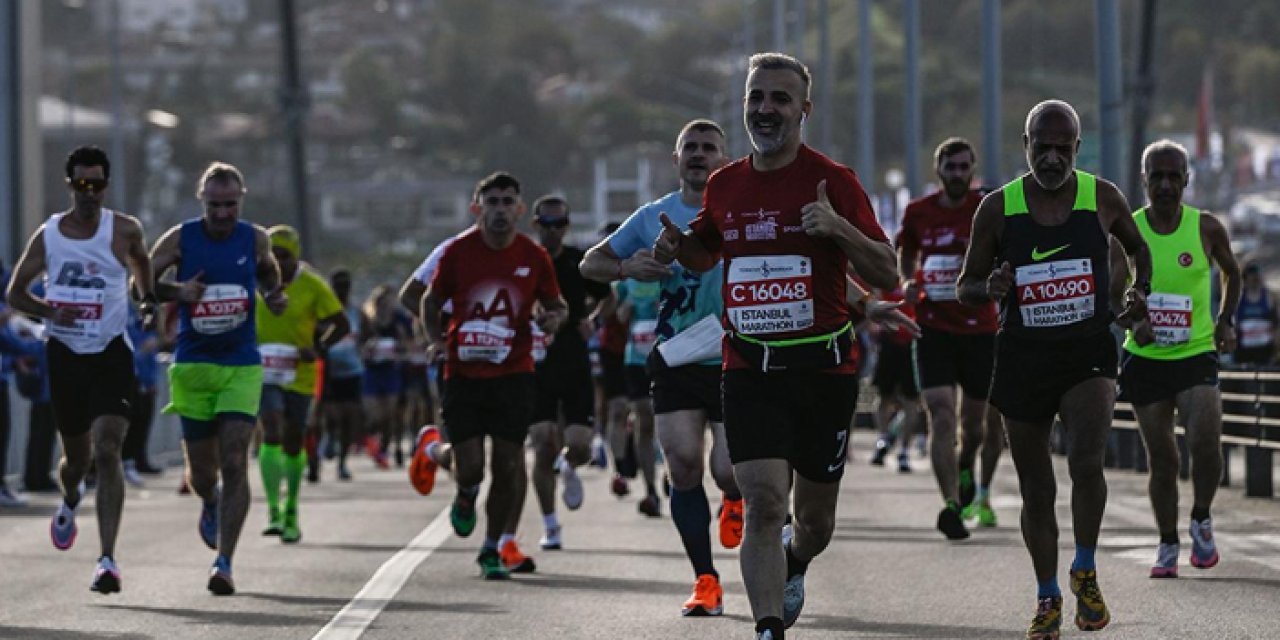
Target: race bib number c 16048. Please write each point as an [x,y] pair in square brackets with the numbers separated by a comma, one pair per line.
[770,294]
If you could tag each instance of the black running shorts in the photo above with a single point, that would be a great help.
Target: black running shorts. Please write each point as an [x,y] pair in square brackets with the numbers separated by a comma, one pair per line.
[637,382]
[944,359]
[83,387]
[614,374]
[895,372]
[339,390]
[691,386]
[500,408]
[563,391]
[802,417]
[1031,376]
[1146,380]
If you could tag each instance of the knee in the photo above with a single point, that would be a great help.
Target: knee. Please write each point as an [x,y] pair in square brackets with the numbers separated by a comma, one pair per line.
[765,513]
[467,472]
[1085,468]
[204,480]
[106,458]
[819,523]
[685,471]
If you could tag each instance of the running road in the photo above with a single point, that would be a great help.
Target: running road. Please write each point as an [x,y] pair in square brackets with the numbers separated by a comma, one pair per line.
[379,562]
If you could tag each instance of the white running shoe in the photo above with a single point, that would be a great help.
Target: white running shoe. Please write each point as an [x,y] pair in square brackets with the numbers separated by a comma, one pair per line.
[131,474]
[11,499]
[572,486]
[1166,565]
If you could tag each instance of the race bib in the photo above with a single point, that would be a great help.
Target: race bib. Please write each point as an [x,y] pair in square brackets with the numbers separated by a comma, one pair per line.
[484,341]
[1255,332]
[1056,294]
[770,294]
[222,308]
[279,363]
[540,342]
[384,350]
[644,334]
[1170,318]
[938,277]
[87,303]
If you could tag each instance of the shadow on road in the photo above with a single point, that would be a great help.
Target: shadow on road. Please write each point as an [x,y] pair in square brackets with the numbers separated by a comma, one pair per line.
[599,583]
[65,634]
[888,629]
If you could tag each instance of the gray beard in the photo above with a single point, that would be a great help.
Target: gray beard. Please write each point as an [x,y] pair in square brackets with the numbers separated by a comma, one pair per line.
[765,146]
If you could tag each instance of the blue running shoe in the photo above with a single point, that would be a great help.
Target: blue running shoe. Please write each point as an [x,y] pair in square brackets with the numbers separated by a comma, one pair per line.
[220,582]
[793,590]
[208,526]
[63,528]
[1204,553]
[106,578]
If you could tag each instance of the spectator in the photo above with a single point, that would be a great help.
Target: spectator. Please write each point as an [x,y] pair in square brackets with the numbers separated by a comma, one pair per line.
[1256,320]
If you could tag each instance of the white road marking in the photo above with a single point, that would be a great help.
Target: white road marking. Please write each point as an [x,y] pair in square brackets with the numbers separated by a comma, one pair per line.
[351,622]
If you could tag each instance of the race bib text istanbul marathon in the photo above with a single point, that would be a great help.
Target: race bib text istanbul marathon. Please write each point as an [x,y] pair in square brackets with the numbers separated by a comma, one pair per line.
[1057,293]
[770,294]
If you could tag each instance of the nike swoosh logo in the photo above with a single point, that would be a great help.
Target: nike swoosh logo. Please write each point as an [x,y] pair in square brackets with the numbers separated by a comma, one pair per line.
[832,468]
[1038,256]
[244,259]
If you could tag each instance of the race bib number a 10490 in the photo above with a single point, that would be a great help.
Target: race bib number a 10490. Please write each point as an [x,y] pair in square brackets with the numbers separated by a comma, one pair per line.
[1056,294]
[770,294]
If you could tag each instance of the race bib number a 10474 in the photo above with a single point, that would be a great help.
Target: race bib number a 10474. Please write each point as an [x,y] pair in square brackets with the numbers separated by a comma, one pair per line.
[1170,318]
[1056,294]
[770,294]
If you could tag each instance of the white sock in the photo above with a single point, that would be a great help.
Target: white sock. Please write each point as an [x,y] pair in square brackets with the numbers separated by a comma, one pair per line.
[549,521]
[564,466]
[433,449]
[505,538]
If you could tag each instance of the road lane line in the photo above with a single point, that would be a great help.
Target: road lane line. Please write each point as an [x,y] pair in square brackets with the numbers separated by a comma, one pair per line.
[350,623]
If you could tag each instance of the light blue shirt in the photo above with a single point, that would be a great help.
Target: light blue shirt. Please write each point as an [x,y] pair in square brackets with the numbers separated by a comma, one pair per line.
[687,296]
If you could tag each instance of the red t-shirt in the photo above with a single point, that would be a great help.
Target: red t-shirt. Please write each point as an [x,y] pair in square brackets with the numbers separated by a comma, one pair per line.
[780,282]
[493,292]
[940,238]
[900,336]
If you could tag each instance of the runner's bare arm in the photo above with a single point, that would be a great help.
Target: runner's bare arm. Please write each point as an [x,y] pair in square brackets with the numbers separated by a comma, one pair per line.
[553,314]
[872,260]
[1119,275]
[1218,243]
[411,293]
[29,267]
[165,255]
[139,260]
[979,260]
[332,329]
[429,313]
[907,256]
[602,264]
[1117,218]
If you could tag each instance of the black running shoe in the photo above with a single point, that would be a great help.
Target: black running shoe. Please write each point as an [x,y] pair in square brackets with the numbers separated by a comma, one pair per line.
[950,523]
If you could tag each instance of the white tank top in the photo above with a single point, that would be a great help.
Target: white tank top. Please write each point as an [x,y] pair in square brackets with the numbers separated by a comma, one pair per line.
[87,276]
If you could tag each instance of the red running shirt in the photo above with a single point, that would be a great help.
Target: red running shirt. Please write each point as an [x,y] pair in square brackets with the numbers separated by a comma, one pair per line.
[493,292]
[940,237]
[779,282]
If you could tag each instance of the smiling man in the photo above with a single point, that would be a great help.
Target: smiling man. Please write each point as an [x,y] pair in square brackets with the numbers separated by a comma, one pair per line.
[789,223]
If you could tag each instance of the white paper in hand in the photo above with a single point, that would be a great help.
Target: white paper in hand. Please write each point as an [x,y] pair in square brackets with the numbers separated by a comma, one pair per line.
[699,341]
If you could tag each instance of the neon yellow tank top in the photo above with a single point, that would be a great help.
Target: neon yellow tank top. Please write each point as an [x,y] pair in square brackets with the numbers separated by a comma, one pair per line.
[1179,301]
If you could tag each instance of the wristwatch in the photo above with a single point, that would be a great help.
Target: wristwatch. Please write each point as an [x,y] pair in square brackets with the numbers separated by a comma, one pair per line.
[1144,286]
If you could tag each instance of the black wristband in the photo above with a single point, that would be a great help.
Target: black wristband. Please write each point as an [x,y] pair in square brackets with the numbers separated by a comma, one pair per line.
[1144,286]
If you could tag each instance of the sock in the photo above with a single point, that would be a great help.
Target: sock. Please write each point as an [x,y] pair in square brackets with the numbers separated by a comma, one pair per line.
[795,566]
[1169,537]
[649,489]
[732,497]
[953,505]
[223,561]
[984,492]
[692,515]
[550,521]
[433,450]
[506,537]
[1084,558]
[1199,514]
[294,467]
[470,493]
[1048,588]
[772,625]
[489,545]
[271,463]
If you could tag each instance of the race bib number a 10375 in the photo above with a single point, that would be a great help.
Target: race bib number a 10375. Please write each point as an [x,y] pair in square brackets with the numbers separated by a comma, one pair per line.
[770,294]
[221,308]
[1056,294]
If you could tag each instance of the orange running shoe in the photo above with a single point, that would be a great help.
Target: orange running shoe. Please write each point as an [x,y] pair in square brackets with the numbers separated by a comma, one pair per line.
[707,598]
[731,517]
[422,469]
[514,560]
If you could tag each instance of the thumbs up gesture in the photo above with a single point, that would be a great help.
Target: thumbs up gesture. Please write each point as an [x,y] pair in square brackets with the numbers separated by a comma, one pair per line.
[193,289]
[667,246]
[818,218]
[999,282]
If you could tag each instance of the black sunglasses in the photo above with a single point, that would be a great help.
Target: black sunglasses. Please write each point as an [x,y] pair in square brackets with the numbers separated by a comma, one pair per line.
[221,204]
[553,223]
[86,185]
[494,201]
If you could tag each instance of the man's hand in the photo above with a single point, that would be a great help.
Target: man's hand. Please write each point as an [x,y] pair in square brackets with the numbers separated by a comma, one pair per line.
[667,246]
[1143,334]
[911,291]
[999,282]
[818,218]
[277,301]
[1135,308]
[548,321]
[889,315]
[307,354]
[1224,335]
[64,316]
[643,267]
[192,290]
[586,328]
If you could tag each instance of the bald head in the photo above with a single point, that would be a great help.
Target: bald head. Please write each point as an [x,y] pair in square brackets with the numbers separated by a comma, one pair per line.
[1053,110]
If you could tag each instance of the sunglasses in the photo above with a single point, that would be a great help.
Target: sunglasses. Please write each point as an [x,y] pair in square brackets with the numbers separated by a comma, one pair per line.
[221,204]
[89,185]
[494,201]
[553,223]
